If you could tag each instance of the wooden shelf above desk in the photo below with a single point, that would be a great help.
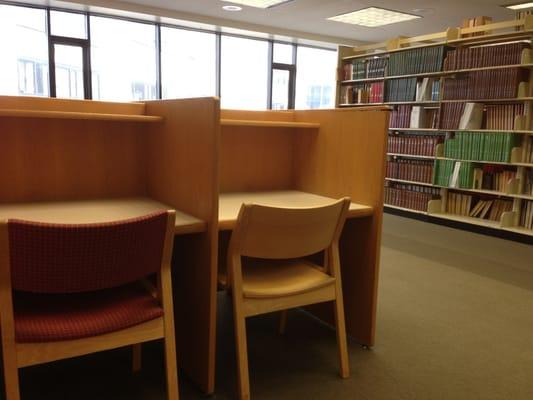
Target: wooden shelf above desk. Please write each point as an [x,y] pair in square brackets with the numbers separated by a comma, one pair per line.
[78,115]
[96,211]
[269,124]
[230,204]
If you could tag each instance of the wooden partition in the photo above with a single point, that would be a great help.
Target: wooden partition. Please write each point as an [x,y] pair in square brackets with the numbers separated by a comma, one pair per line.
[347,158]
[82,161]
[61,150]
[331,153]
[183,173]
[86,161]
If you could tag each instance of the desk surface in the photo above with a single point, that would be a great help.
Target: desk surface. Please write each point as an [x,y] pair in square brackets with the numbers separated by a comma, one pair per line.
[94,211]
[230,204]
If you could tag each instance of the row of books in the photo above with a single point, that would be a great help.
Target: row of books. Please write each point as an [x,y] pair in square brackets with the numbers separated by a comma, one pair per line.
[401,90]
[493,177]
[468,206]
[528,150]
[451,114]
[416,61]
[528,182]
[458,204]
[419,144]
[422,117]
[400,117]
[365,68]
[410,170]
[409,196]
[494,84]
[454,174]
[502,116]
[526,217]
[362,93]
[477,146]
[491,209]
[428,89]
[484,56]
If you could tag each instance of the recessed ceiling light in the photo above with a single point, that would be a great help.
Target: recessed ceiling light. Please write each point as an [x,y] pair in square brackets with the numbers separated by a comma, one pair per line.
[232,8]
[259,3]
[373,16]
[520,6]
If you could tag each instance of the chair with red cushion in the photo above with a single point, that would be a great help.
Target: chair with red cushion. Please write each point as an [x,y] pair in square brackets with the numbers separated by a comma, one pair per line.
[70,290]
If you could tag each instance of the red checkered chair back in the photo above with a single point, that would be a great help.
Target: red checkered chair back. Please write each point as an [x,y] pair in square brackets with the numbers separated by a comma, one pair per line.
[59,258]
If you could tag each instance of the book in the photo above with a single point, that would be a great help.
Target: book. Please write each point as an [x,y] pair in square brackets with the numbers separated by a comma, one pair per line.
[409,196]
[418,117]
[472,117]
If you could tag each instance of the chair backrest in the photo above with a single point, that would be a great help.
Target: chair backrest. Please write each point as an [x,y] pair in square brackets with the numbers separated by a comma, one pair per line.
[278,233]
[60,258]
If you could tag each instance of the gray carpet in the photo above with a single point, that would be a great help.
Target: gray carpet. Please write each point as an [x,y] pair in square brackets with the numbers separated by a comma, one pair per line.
[451,326]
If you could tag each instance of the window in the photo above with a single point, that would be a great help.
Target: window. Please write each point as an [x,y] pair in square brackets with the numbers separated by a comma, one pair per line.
[24,49]
[315,78]
[244,73]
[123,59]
[188,63]
[283,53]
[68,24]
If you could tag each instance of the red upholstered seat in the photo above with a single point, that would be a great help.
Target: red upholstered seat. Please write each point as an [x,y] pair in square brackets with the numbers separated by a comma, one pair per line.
[54,317]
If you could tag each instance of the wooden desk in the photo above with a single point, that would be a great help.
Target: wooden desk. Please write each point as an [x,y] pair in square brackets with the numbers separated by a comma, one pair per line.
[83,212]
[230,204]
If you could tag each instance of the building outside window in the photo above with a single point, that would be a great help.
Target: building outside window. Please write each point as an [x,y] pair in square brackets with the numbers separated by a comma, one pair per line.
[24,49]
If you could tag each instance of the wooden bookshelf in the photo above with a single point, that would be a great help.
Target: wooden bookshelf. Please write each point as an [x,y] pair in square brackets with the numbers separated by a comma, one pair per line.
[458,74]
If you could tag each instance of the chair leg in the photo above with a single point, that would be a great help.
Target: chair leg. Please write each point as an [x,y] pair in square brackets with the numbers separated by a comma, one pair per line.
[242,356]
[283,321]
[136,352]
[171,368]
[11,377]
[341,339]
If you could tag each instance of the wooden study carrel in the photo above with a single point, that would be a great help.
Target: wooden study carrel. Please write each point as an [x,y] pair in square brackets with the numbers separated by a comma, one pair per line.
[74,161]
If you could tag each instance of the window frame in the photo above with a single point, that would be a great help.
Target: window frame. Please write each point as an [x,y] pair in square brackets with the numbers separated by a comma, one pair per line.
[86,46]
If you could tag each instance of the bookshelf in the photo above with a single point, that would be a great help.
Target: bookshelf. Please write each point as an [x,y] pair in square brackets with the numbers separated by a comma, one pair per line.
[460,146]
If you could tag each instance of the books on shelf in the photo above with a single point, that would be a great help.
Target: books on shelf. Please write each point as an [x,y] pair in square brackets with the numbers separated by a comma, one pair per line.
[362,93]
[494,84]
[471,206]
[403,89]
[451,115]
[493,177]
[409,196]
[419,144]
[410,170]
[472,117]
[454,174]
[363,69]
[528,182]
[526,217]
[484,56]
[420,117]
[502,116]
[528,150]
[400,117]
[416,61]
[478,146]
[458,204]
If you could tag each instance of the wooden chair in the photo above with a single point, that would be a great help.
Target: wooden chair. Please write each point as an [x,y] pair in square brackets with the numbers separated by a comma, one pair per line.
[70,290]
[267,270]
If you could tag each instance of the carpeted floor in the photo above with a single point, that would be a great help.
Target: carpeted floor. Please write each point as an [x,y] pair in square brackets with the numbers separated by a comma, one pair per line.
[452,325]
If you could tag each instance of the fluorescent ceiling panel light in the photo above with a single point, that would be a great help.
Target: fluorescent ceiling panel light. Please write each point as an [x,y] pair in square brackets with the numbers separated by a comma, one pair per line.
[373,16]
[258,3]
[520,6]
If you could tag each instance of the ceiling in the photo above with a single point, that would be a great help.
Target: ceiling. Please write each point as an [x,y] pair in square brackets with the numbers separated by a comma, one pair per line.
[309,15]
[304,19]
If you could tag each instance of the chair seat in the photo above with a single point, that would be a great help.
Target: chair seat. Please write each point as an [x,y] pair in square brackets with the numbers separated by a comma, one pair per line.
[56,317]
[275,278]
